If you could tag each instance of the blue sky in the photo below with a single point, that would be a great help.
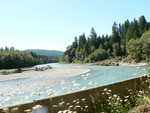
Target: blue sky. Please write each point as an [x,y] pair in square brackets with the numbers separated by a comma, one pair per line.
[53,24]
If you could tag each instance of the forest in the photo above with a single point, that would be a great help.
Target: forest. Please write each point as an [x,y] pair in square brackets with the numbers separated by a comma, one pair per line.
[128,40]
[11,58]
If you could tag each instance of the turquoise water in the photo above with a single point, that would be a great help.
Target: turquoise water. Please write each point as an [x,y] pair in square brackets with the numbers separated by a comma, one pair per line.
[99,75]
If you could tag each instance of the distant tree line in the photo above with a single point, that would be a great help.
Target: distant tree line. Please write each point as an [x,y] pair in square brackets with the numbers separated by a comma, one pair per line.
[11,58]
[127,39]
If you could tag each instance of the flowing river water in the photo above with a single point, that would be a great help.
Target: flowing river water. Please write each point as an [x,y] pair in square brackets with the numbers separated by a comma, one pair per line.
[99,75]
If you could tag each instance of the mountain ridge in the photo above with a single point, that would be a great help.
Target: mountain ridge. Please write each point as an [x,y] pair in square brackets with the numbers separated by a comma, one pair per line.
[46,52]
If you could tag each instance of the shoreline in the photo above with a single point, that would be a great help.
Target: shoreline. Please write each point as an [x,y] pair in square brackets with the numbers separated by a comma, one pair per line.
[132,64]
[96,64]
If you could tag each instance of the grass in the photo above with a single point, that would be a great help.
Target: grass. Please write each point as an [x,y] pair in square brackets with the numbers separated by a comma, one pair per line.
[1,70]
[14,69]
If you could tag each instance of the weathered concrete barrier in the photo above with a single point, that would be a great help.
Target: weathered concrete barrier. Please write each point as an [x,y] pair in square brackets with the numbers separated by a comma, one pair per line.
[83,98]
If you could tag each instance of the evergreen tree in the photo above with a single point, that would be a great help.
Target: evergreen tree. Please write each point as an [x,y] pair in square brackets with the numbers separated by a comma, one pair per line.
[99,41]
[126,26]
[122,31]
[133,31]
[82,41]
[142,25]
[106,42]
[115,34]
[136,33]
[75,43]
[93,39]
[115,40]
[147,26]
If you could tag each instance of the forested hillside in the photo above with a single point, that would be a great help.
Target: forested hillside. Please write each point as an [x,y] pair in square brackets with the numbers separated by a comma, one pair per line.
[46,52]
[11,58]
[127,39]
[53,54]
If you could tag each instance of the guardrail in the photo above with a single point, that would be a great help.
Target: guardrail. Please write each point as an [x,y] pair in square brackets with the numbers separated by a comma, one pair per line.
[84,98]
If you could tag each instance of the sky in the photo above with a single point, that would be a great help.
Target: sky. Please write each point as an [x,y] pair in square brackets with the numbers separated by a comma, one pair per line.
[53,24]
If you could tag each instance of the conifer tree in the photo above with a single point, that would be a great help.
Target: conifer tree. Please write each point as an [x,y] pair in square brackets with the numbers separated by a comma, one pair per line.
[142,24]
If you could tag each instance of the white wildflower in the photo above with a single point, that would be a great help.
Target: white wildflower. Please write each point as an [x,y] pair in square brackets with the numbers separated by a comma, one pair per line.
[134,74]
[90,83]
[105,89]
[118,99]
[83,99]
[64,88]
[126,96]
[82,75]
[125,100]
[109,90]
[110,97]
[65,111]
[138,68]
[83,88]
[87,74]
[26,98]
[115,95]
[107,93]
[74,101]
[55,106]
[67,104]
[86,106]
[7,99]
[36,107]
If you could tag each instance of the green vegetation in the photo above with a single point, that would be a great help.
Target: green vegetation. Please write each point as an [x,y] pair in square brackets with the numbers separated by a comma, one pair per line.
[117,104]
[53,54]
[128,39]
[11,58]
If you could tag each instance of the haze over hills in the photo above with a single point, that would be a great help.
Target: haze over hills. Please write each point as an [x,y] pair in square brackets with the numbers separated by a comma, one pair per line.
[46,52]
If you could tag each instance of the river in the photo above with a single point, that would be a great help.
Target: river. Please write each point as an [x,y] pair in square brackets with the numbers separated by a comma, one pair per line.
[99,75]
